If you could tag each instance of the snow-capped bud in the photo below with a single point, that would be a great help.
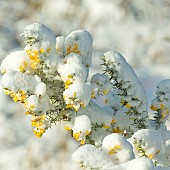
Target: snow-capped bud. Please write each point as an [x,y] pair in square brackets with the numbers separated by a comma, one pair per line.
[118,148]
[147,142]
[36,104]
[40,89]
[90,157]
[16,61]
[81,128]
[39,35]
[80,42]
[77,95]
[100,84]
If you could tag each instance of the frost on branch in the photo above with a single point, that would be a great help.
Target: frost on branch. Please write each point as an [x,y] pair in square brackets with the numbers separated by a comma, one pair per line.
[107,115]
[129,92]
[49,77]
[147,143]
[161,104]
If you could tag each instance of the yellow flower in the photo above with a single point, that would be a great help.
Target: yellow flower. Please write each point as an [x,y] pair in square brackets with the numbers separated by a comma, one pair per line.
[116,130]
[76,135]
[106,100]
[27,112]
[154,108]
[68,50]
[48,50]
[74,49]
[128,105]
[122,102]
[7,91]
[113,121]
[14,97]
[150,156]
[74,94]
[82,142]
[41,50]
[32,106]
[105,91]
[76,107]
[22,68]
[164,113]
[67,128]
[70,76]
[117,147]
[69,106]
[35,118]
[114,149]
[4,71]
[34,57]
[87,132]
[82,105]
[106,126]
[67,83]
[39,132]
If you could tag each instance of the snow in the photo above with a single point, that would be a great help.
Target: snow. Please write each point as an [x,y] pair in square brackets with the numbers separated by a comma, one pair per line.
[137,29]
[88,156]
[139,163]
[119,149]
[149,140]
[16,81]
[16,61]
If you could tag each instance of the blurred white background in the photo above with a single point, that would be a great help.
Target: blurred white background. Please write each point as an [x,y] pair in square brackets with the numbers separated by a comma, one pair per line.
[140,30]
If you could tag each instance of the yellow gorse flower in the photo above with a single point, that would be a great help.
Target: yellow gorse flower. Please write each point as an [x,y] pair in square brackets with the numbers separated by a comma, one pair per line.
[114,149]
[73,50]
[34,57]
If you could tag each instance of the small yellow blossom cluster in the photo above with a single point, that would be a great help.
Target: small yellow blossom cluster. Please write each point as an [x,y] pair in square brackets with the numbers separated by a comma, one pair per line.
[24,70]
[118,148]
[114,149]
[77,95]
[37,122]
[75,54]
[114,129]
[147,143]
[32,105]
[157,107]
[73,49]
[16,96]
[117,130]
[73,70]
[77,136]
[22,67]
[34,58]
[143,152]
[72,104]
[80,128]
[129,95]
[100,85]
[164,111]
[69,81]
[126,104]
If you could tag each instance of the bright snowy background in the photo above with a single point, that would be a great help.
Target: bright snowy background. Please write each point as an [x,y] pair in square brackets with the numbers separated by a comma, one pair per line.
[140,30]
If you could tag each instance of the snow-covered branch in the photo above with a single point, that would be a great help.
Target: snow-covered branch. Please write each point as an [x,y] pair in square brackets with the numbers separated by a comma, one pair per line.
[50,78]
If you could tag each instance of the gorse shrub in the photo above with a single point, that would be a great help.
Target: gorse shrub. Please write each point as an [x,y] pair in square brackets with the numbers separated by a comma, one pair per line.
[49,77]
